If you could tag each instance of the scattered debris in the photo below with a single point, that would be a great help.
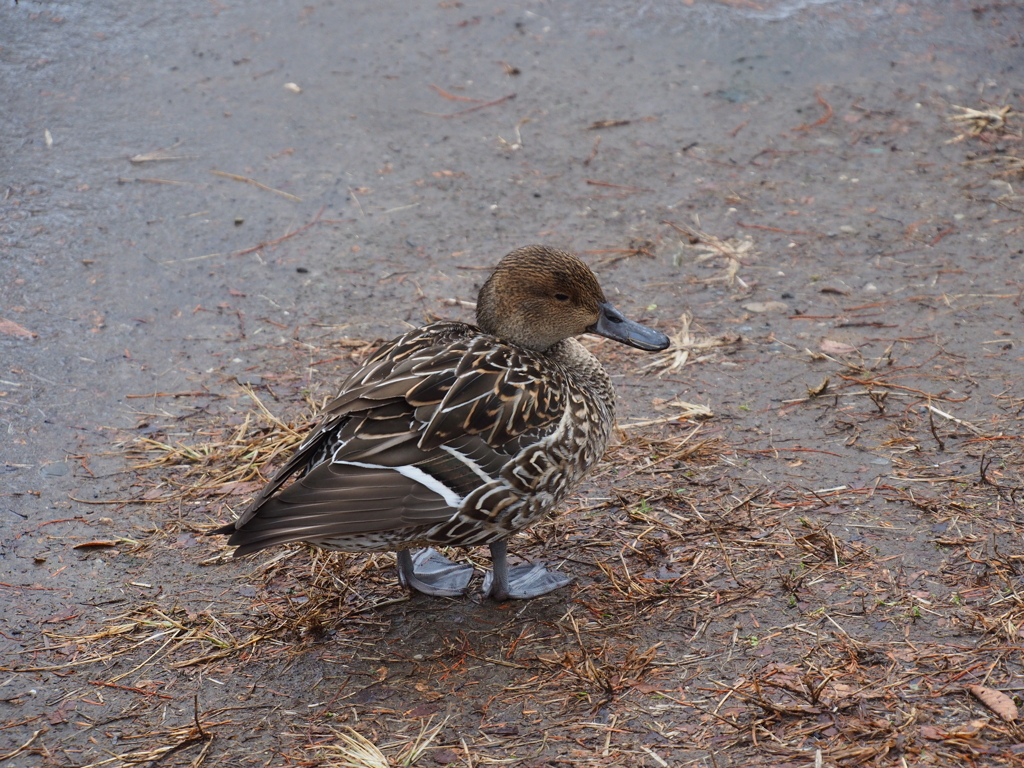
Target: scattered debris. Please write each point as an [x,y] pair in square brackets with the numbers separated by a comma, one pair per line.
[820,389]
[247,180]
[977,121]
[683,344]
[995,700]
[831,347]
[709,246]
[160,155]
[767,307]
[11,328]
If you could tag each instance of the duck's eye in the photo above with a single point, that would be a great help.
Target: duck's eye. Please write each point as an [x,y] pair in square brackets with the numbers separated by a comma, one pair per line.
[561,297]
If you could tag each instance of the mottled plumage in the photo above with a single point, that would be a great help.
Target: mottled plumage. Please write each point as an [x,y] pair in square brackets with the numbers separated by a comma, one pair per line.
[458,435]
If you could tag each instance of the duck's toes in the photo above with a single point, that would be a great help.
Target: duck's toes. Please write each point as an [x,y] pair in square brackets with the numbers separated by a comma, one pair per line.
[523,581]
[430,572]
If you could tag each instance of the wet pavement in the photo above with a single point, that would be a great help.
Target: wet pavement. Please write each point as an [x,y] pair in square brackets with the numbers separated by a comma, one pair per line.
[200,194]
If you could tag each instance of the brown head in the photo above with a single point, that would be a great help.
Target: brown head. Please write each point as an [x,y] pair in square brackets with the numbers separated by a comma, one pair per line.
[538,296]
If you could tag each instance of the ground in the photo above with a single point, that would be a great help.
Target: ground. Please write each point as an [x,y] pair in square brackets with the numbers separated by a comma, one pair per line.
[805,548]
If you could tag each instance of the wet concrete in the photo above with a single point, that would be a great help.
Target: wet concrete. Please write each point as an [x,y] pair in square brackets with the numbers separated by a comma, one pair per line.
[104,257]
[163,277]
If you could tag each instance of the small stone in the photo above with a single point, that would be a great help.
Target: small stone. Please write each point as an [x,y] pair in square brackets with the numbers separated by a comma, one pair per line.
[762,307]
[846,229]
[57,469]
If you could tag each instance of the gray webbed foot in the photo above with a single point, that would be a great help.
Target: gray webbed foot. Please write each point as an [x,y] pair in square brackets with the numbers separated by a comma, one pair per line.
[430,572]
[520,581]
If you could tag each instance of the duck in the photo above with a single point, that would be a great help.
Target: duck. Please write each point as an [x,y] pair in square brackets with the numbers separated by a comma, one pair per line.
[459,435]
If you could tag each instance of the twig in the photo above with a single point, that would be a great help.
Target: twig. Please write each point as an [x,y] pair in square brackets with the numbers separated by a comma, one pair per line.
[776,229]
[617,186]
[254,248]
[935,434]
[472,109]
[202,754]
[943,414]
[980,120]
[593,152]
[868,382]
[23,747]
[728,560]
[823,120]
[986,462]
[255,183]
[169,394]
[738,128]
[358,204]
[452,96]
[117,501]
[159,156]
[281,239]
[950,229]
[122,180]
[709,240]
[195,714]
[143,691]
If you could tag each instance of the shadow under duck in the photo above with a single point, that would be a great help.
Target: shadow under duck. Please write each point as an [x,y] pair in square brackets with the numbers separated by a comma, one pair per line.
[459,435]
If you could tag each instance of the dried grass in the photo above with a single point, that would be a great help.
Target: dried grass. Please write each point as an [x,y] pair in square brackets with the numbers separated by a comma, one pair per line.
[683,344]
[713,614]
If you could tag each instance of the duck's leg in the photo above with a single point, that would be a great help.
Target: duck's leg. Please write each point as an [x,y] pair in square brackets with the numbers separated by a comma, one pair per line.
[431,573]
[519,581]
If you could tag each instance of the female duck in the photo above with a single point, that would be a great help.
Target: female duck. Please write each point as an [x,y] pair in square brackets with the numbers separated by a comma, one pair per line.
[457,435]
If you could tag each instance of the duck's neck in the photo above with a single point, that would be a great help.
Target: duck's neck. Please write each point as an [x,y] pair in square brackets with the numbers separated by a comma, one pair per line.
[588,370]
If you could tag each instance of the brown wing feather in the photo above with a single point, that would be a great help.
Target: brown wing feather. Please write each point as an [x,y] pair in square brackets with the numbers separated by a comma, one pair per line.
[447,386]
[334,502]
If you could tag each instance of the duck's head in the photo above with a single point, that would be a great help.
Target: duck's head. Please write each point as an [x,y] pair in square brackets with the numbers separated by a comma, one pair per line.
[538,296]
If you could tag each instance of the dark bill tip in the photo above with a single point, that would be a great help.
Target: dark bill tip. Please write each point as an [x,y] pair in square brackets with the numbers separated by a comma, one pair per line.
[612,324]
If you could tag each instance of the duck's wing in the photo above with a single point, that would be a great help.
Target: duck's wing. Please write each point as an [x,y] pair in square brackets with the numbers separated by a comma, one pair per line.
[418,428]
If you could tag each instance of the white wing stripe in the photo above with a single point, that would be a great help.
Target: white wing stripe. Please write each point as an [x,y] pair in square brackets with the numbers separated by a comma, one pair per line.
[452,499]
[469,463]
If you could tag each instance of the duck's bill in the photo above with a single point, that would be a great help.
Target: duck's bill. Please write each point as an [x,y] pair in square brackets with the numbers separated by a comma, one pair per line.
[612,324]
